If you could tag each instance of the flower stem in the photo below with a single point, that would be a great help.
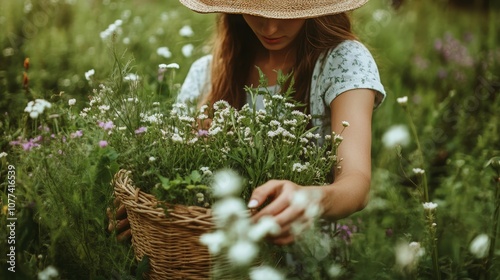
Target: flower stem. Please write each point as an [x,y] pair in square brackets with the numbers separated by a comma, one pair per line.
[494,230]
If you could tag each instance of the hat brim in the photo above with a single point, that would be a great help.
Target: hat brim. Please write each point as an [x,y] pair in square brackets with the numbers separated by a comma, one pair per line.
[278,9]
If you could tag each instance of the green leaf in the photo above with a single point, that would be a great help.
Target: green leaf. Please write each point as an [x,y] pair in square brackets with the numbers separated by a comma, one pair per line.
[165,182]
[142,268]
[195,176]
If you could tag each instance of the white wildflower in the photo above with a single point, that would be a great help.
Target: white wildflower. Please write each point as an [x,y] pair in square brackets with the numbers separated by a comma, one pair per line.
[214,130]
[3,154]
[265,273]
[226,183]
[35,108]
[186,31]
[131,77]
[402,100]
[299,167]
[48,273]
[407,255]
[206,170]
[89,74]
[242,253]
[345,124]
[162,66]
[335,270]
[103,108]
[187,50]
[429,205]
[480,246]
[396,135]
[266,225]
[72,102]
[214,241]
[224,209]
[418,171]
[177,138]
[192,141]
[152,159]
[164,51]
[172,66]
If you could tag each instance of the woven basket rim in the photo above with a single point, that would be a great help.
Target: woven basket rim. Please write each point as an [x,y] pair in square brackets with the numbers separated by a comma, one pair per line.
[141,202]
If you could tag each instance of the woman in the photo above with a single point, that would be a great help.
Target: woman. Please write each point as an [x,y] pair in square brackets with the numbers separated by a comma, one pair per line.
[335,76]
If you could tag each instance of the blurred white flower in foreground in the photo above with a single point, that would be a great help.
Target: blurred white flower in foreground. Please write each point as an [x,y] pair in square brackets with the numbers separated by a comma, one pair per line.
[72,102]
[214,241]
[480,245]
[396,135]
[407,255]
[266,225]
[3,154]
[242,253]
[186,31]
[265,273]
[48,273]
[226,183]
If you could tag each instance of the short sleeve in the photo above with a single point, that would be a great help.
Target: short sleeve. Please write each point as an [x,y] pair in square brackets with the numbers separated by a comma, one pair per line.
[197,80]
[349,66]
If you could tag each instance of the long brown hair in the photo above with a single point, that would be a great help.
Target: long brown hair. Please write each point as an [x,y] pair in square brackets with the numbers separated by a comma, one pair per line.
[235,46]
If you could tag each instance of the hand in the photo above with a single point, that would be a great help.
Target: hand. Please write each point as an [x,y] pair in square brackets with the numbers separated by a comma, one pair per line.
[119,222]
[283,206]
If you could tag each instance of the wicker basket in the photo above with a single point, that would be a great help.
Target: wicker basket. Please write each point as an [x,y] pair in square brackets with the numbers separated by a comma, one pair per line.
[171,242]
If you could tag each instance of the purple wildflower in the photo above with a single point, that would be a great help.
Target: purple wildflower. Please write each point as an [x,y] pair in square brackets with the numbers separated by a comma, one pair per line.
[202,132]
[140,130]
[76,134]
[103,143]
[106,125]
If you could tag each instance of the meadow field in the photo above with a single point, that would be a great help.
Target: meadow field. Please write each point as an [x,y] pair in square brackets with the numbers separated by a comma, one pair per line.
[435,197]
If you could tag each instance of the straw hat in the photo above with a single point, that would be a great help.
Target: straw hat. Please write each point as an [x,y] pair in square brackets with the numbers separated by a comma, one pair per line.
[282,9]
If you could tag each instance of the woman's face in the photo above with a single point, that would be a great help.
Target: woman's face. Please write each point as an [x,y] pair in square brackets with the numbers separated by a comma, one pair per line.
[275,34]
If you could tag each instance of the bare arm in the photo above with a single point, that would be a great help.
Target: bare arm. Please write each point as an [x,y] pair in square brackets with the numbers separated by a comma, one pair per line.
[349,192]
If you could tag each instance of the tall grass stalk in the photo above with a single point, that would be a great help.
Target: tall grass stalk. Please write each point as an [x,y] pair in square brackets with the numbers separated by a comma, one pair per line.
[425,191]
[495,163]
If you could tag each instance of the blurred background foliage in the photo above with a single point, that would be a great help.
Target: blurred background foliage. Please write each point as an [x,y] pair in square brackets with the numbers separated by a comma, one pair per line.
[444,55]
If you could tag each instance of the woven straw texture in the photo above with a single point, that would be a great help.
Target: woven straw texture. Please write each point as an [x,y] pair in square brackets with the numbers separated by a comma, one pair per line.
[171,242]
[284,9]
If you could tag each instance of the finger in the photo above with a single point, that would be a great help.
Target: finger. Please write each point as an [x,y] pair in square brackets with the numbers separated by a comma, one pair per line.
[116,202]
[122,224]
[261,193]
[289,215]
[109,213]
[111,225]
[124,235]
[274,208]
[121,212]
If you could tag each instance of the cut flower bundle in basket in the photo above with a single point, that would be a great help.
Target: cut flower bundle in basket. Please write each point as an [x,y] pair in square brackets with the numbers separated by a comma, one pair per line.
[168,159]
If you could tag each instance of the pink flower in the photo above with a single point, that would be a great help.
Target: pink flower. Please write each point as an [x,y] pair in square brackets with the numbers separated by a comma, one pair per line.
[103,143]
[76,134]
[202,132]
[106,125]
[140,130]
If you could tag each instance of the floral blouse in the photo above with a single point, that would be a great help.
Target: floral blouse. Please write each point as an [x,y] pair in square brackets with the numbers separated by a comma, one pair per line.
[348,66]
